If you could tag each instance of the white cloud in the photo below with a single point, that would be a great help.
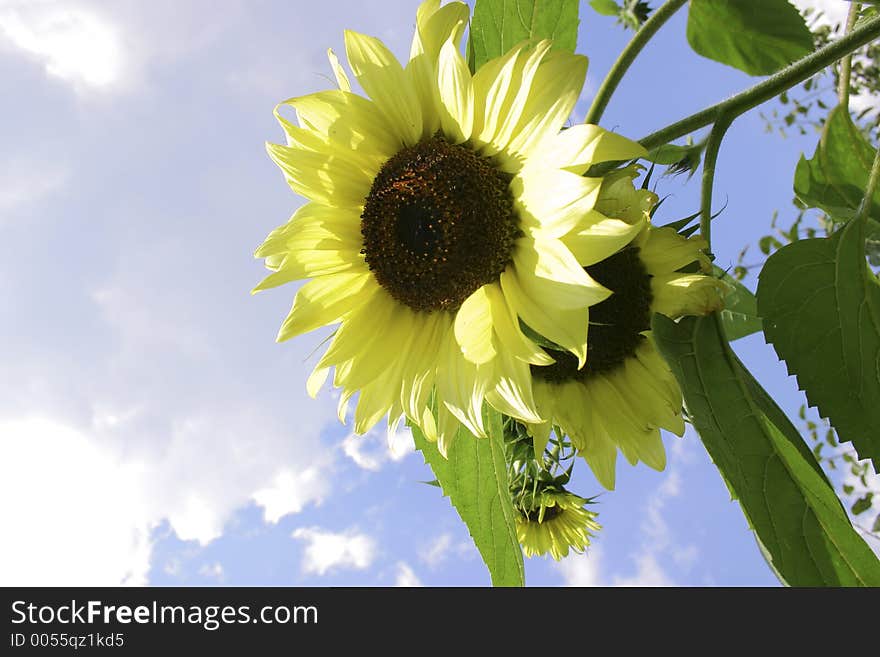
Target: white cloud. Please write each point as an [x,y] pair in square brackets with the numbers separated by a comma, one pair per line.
[375,448]
[406,577]
[212,570]
[435,552]
[26,180]
[72,512]
[326,550]
[291,490]
[833,11]
[586,570]
[582,569]
[75,44]
[86,504]
[658,541]
[685,557]
[649,573]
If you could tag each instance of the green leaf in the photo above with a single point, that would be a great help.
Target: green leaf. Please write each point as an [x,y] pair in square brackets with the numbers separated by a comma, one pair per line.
[474,477]
[605,7]
[791,507]
[835,179]
[862,504]
[756,36]
[669,153]
[498,25]
[821,309]
[740,314]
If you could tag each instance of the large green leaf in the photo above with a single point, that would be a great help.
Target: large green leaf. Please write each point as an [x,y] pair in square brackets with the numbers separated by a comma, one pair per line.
[474,477]
[834,180]
[498,25]
[740,314]
[821,309]
[791,507]
[756,36]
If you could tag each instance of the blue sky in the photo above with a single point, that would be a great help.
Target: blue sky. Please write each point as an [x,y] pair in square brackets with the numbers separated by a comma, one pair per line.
[152,431]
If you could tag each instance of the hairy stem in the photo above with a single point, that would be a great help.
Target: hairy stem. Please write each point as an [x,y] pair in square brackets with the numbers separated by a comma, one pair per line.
[626,58]
[713,145]
[846,62]
[769,88]
[865,206]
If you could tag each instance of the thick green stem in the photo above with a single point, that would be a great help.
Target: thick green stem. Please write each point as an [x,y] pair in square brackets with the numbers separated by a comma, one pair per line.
[713,145]
[769,88]
[846,62]
[626,58]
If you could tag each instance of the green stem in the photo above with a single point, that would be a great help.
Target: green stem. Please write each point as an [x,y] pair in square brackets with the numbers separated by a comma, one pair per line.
[865,206]
[713,145]
[626,58]
[769,88]
[846,62]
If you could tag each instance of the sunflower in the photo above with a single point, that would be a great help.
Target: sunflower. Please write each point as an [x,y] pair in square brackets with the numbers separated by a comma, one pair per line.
[442,210]
[556,523]
[625,393]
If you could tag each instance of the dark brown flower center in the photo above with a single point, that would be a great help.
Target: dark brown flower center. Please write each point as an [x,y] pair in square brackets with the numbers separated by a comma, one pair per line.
[616,324]
[438,224]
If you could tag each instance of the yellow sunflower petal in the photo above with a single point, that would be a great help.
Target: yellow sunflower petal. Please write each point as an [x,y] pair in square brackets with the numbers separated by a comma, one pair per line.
[473,327]
[374,402]
[351,342]
[554,215]
[512,389]
[552,97]
[579,147]
[567,328]
[518,95]
[316,380]
[383,78]
[314,219]
[665,251]
[600,238]
[460,388]
[493,83]
[447,428]
[435,25]
[549,272]
[313,263]
[540,433]
[341,76]
[456,93]
[420,370]
[510,336]
[676,295]
[348,120]
[325,300]
[428,425]
[601,455]
[328,180]
[620,199]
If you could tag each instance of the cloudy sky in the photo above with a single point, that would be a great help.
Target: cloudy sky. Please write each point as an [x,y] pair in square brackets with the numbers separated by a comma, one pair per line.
[152,431]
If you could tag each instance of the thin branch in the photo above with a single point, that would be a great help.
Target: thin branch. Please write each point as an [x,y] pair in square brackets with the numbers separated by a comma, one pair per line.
[769,88]
[713,145]
[846,62]
[626,58]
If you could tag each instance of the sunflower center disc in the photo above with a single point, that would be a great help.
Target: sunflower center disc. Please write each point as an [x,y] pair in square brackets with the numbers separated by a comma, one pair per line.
[438,224]
[616,324]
